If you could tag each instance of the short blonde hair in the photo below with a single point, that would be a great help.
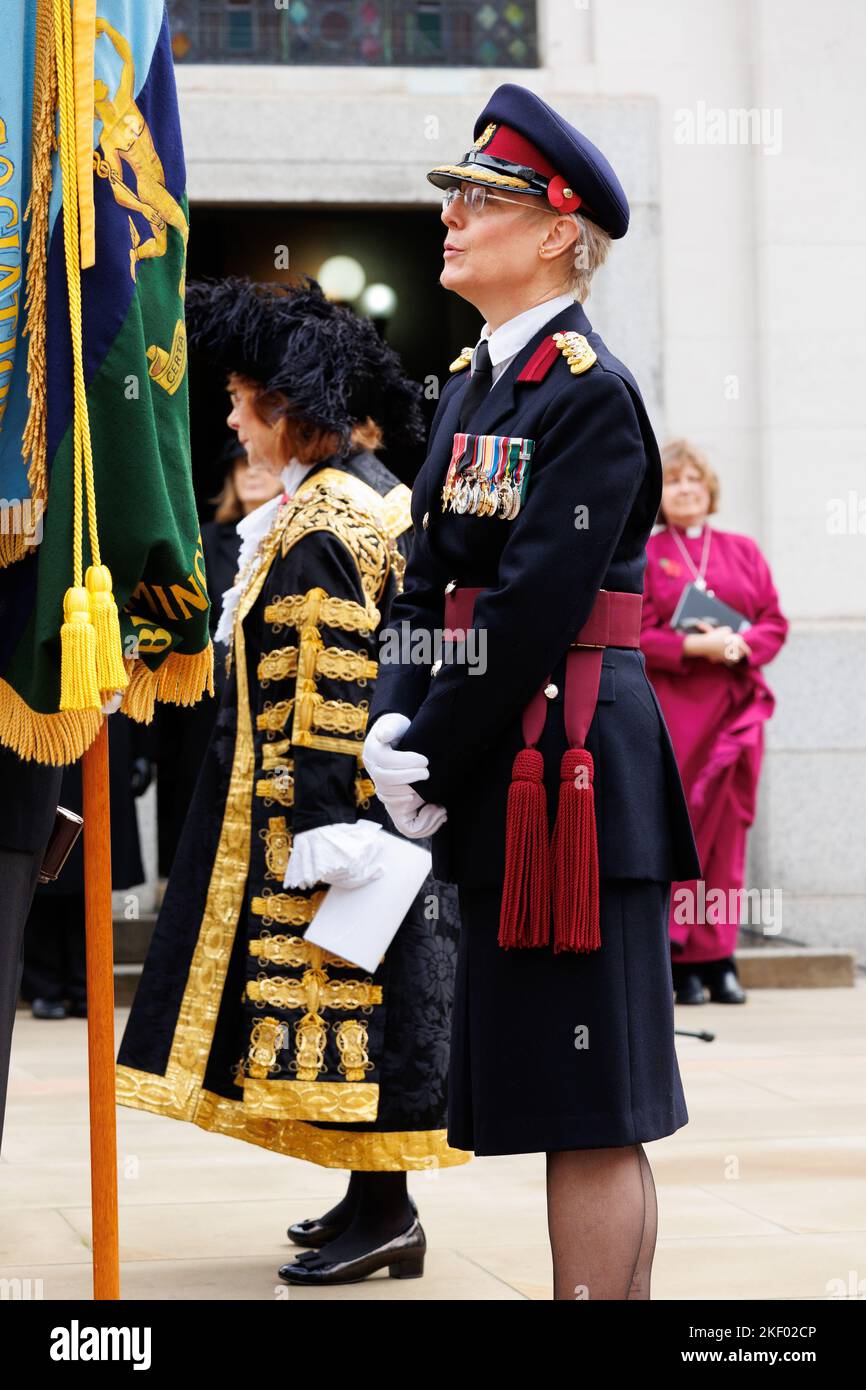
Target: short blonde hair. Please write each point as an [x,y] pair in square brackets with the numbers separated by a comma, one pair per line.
[590,253]
[679,454]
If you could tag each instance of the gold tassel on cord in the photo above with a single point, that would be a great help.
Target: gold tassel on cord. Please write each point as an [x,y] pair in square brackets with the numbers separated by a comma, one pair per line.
[90,645]
[78,687]
[110,670]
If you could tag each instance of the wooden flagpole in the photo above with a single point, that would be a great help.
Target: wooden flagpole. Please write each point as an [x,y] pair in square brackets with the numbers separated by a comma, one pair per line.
[100,1018]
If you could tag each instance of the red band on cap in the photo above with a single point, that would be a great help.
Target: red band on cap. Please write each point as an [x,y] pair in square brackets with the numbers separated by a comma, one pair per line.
[509,144]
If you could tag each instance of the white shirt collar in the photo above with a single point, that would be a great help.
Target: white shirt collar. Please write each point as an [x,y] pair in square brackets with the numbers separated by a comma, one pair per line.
[506,341]
[293,475]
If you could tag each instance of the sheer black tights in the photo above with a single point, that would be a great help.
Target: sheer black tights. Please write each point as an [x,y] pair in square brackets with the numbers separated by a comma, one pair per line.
[602,1218]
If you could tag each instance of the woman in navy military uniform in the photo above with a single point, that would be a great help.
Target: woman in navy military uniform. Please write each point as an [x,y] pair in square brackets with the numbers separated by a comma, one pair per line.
[536,748]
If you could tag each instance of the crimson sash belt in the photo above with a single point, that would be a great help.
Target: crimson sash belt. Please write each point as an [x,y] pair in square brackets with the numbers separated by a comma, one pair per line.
[561,873]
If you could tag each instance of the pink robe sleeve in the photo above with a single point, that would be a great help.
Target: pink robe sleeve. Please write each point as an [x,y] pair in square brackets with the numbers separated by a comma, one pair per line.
[769,626]
[661,645]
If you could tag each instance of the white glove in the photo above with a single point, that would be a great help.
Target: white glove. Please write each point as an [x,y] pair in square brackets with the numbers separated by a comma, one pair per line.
[414,817]
[393,771]
[390,767]
[344,855]
[112,704]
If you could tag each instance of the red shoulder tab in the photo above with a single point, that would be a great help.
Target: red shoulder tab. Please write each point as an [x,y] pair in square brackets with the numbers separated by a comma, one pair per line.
[540,362]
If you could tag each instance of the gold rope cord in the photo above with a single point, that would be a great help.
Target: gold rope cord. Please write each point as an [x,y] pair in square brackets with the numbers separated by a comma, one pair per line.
[90,657]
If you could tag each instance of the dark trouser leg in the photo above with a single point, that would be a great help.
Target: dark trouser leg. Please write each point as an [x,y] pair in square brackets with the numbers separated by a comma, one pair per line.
[74,951]
[43,950]
[36,794]
[18,874]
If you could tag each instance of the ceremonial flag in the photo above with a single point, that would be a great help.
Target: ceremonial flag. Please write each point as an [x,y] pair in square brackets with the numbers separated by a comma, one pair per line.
[96,503]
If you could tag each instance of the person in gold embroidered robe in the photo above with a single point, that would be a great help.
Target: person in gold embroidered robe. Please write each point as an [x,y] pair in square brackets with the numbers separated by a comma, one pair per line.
[239,1024]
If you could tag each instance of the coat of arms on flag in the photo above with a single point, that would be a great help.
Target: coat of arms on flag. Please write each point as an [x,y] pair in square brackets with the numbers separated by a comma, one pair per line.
[102,585]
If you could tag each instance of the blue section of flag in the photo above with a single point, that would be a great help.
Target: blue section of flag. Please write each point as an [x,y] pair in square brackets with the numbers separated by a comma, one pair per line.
[108,287]
[16,96]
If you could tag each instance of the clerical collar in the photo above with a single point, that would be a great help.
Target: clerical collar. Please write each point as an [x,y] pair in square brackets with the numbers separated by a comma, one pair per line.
[691,531]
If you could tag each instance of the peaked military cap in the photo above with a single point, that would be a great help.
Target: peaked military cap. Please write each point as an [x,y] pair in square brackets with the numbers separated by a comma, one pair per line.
[522,144]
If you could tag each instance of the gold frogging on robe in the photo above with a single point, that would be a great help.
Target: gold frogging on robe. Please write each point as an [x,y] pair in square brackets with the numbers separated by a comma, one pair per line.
[273,718]
[274,1110]
[278,842]
[314,991]
[280,788]
[351,1037]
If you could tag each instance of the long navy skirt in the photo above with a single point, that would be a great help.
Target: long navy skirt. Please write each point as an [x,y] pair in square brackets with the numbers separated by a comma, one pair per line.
[568,1051]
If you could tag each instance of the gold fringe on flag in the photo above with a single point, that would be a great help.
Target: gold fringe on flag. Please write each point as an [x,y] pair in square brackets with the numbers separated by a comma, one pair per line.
[180,680]
[60,739]
[57,739]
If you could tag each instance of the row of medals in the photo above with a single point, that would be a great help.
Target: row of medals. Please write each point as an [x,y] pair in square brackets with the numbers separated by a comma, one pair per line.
[470,495]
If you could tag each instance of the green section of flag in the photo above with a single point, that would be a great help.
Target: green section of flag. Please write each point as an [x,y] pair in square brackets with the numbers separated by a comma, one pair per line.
[147,524]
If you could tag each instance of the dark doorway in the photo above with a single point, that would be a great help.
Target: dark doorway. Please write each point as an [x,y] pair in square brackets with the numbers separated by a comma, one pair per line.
[402,249]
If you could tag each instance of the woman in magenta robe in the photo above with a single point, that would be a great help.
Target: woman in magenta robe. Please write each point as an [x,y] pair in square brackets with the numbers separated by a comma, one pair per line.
[715,702]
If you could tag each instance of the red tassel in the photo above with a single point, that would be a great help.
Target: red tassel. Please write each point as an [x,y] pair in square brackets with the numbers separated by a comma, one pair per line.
[575,857]
[524,918]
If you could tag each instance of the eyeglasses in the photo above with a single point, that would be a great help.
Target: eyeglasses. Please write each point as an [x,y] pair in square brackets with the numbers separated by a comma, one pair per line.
[476,198]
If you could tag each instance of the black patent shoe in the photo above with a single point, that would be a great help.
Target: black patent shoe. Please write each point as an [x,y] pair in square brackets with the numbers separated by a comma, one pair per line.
[403,1256]
[690,990]
[315,1232]
[48,1008]
[725,988]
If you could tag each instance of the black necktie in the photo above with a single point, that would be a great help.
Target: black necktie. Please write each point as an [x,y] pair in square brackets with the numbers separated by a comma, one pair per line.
[479,384]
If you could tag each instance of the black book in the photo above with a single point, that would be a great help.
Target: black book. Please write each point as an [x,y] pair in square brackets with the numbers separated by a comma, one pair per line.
[698,605]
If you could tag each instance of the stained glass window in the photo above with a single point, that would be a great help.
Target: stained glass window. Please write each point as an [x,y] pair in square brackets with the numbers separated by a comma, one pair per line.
[449,33]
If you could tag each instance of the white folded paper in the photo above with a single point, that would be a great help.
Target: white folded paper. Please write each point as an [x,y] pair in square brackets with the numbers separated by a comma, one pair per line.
[359,924]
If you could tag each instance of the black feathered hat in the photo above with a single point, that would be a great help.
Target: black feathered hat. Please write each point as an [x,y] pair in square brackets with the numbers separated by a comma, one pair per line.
[330,363]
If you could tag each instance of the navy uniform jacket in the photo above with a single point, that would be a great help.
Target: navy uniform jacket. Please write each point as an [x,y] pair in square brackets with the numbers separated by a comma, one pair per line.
[594,448]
